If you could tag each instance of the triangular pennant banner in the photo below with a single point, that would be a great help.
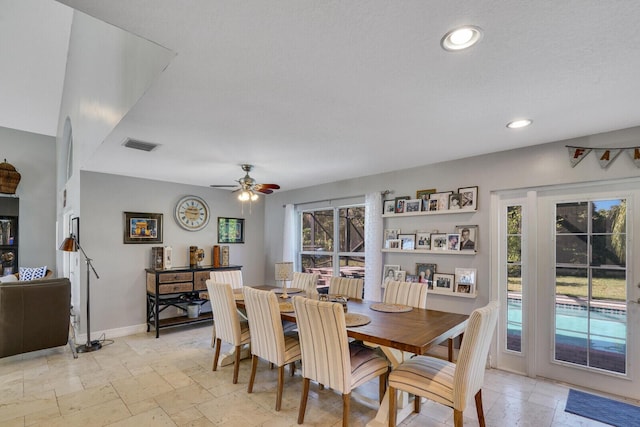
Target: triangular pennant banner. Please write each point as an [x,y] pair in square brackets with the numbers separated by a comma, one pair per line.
[576,154]
[606,156]
[634,153]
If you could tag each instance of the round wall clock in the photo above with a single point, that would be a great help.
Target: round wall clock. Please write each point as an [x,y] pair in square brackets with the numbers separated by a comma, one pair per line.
[192,213]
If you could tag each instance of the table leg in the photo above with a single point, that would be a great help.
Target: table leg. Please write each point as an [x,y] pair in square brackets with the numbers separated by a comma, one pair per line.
[228,358]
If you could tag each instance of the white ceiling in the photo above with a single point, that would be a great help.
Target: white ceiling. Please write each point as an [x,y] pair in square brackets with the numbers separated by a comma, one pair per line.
[319,91]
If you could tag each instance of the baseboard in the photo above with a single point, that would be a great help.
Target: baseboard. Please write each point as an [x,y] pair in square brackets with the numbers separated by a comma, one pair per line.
[113,333]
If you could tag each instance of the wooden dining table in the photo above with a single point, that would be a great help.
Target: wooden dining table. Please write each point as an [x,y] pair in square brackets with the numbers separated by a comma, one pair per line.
[397,333]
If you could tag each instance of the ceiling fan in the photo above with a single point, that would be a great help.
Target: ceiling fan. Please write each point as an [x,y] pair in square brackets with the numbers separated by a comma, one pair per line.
[248,186]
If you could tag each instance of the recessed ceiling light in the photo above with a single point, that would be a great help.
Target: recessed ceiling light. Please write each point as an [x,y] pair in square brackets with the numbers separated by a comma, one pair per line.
[461,38]
[517,124]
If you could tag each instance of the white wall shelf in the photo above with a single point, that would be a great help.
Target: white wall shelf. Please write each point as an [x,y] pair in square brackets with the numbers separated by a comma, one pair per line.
[424,213]
[426,251]
[453,294]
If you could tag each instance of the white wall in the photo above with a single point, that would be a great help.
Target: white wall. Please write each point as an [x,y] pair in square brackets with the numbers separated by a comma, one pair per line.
[542,165]
[34,157]
[118,298]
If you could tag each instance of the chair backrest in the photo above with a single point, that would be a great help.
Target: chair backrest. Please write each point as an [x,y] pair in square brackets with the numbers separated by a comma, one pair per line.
[472,358]
[223,305]
[324,345]
[306,281]
[267,335]
[406,293]
[346,286]
[232,277]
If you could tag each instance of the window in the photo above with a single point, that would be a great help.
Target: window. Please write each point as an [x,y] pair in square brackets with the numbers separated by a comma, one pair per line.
[332,242]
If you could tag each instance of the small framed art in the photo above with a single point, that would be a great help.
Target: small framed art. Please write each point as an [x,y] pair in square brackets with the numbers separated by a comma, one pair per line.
[401,275]
[393,244]
[423,240]
[413,205]
[389,207]
[408,241]
[443,282]
[468,237]
[140,227]
[230,230]
[465,280]
[453,242]
[400,201]
[389,272]
[442,200]
[424,194]
[438,242]
[425,273]
[454,201]
[390,234]
[468,198]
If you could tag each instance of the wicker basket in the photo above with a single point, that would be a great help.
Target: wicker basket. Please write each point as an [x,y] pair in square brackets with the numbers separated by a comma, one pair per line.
[9,178]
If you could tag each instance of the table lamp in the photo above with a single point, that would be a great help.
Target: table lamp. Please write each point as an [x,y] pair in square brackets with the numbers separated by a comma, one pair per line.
[284,272]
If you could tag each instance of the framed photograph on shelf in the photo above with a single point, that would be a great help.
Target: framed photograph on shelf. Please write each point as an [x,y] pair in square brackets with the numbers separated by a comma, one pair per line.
[468,198]
[140,227]
[230,230]
[413,205]
[393,244]
[443,282]
[453,242]
[425,273]
[389,207]
[454,201]
[423,240]
[438,242]
[466,280]
[399,203]
[389,272]
[408,241]
[442,200]
[412,278]
[432,205]
[390,234]
[424,194]
[468,237]
[401,275]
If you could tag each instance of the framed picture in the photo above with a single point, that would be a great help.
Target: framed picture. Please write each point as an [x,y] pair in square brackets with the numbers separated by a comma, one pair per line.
[389,207]
[230,230]
[423,240]
[412,278]
[468,237]
[391,233]
[401,275]
[438,242]
[453,242]
[408,241]
[413,205]
[443,282]
[442,200]
[399,203]
[75,228]
[424,194]
[433,205]
[389,272]
[142,227]
[454,201]
[393,244]
[468,198]
[425,273]
[466,280]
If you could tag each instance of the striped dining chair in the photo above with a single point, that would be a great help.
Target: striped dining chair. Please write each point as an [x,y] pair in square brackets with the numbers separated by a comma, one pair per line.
[268,340]
[228,327]
[329,358]
[406,293]
[349,287]
[233,277]
[451,384]
[305,281]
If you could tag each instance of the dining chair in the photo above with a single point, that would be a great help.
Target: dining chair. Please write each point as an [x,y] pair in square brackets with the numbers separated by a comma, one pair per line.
[352,288]
[329,358]
[451,384]
[305,281]
[228,327]
[233,277]
[406,293]
[268,340]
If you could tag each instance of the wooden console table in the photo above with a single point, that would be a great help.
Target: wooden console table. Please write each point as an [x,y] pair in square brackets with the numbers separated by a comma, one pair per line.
[177,287]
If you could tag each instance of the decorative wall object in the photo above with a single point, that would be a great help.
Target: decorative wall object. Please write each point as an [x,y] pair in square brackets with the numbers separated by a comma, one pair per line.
[9,178]
[230,230]
[606,156]
[140,227]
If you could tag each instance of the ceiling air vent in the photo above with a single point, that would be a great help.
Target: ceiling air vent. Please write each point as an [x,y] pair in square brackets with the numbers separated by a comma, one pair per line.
[139,145]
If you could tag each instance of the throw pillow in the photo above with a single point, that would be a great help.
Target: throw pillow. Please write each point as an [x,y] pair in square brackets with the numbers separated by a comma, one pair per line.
[32,273]
[8,278]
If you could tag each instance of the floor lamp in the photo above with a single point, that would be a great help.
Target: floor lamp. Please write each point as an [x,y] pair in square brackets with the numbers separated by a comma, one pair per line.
[70,244]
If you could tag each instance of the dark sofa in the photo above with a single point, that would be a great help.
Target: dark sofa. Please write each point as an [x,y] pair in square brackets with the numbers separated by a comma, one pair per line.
[34,315]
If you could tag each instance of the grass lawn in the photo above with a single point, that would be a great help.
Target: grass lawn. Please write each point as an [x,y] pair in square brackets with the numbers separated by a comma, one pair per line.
[603,289]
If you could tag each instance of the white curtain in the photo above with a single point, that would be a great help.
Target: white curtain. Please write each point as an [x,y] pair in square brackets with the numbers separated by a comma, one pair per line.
[373,246]
[289,236]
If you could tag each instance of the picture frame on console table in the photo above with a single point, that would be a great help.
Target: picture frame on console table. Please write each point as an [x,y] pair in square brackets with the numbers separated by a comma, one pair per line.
[141,227]
[230,230]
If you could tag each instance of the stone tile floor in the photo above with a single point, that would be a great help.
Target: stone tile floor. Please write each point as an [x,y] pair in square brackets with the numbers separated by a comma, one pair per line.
[143,381]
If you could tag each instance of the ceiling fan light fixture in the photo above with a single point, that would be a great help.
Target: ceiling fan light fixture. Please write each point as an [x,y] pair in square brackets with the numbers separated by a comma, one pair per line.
[254,196]
[244,196]
[461,38]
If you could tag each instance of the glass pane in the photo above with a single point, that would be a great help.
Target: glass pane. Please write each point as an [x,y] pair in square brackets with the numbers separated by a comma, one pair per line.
[571,249]
[572,217]
[317,230]
[352,266]
[609,216]
[514,279]
[352,229]
[514,249]
[572,283]
[514,220]
[608,250]
[321,264]
[609,286]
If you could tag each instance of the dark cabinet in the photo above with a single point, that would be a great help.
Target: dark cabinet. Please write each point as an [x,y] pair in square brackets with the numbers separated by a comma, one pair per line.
[9,210]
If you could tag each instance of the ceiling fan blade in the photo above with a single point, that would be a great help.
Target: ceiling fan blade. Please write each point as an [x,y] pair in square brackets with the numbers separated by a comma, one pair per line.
[272,186]
[264,190]
[224,186]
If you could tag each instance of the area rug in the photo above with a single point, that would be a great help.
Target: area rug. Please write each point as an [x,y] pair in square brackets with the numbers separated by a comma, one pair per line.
[602,409]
